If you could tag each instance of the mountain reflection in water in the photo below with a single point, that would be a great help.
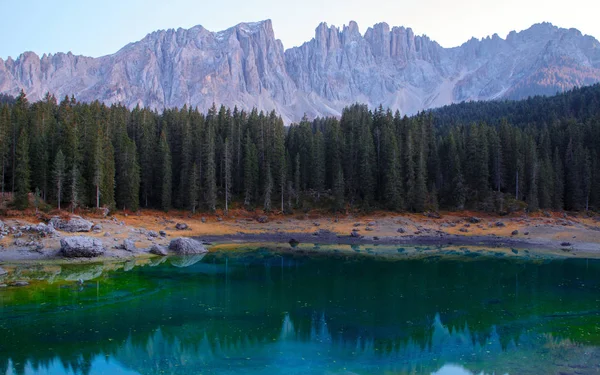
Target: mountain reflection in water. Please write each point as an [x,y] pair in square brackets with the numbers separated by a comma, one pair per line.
[264,313]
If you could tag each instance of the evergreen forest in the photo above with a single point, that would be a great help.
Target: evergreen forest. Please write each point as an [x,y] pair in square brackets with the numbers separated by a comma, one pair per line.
[500,156]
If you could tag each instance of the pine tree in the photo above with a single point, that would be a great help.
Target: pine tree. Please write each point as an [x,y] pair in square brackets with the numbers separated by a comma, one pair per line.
[587,178]
[317,162]
[476,168]
[147,148]
[458,191]
[194,184]
[132,177]
[98,164]
[4,145]
[391,167]
[210,173]
[297,187]
[250,170]
[22,173]
[20,120]
[165,154]
[558,196]
[107,187]
[532,176]
[60,174]
[74,187]
[366,173]
[410,181]
[228,178]
[268,189]
[338,190]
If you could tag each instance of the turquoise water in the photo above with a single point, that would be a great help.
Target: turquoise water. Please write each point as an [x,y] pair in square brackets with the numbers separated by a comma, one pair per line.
[262,312]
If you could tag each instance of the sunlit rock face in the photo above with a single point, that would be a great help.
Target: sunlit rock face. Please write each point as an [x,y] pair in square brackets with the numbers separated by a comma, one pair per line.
[246,66]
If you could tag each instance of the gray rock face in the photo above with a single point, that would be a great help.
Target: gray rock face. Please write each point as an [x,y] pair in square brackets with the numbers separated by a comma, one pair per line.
[185,246]
[81,247]
[74,224]
[246,66]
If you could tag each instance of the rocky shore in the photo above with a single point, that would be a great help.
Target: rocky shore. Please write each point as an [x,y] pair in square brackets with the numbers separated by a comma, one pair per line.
[156,234]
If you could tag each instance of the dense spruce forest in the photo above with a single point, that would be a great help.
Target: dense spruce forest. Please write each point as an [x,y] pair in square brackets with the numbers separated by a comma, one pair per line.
[500,156]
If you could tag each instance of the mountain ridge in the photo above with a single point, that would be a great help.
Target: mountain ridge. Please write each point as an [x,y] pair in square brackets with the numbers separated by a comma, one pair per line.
[247,66]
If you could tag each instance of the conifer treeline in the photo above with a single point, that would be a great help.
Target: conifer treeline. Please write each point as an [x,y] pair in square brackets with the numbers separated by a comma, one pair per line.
[75,154]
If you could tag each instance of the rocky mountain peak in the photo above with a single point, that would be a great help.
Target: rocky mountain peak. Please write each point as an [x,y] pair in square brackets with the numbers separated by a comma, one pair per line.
[246,66]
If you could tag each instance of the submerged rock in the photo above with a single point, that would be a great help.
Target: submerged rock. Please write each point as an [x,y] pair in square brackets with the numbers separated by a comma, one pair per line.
[183,246]
[81,247]
[82,273]
[74,224]
[186,261]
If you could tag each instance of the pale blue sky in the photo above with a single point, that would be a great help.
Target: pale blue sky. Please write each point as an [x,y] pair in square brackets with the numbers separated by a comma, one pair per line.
[95,28]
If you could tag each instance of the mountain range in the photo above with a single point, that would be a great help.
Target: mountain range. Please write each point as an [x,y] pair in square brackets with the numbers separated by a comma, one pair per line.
[246,66]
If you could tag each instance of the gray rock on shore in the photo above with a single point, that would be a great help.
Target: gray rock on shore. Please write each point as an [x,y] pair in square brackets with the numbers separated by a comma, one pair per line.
[128,245]
[158,250]
[184,246]
[3,271]
[81,247]
[74,224]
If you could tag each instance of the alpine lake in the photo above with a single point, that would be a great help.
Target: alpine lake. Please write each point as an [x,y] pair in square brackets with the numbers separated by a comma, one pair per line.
[271,309]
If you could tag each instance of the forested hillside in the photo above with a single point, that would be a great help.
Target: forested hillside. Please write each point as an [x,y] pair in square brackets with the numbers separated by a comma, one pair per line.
[540,153]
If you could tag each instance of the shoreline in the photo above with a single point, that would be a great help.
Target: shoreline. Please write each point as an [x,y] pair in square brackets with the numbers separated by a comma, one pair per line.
[562,235]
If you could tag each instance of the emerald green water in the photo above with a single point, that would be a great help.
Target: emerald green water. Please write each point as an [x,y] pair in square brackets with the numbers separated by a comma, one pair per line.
[263,312]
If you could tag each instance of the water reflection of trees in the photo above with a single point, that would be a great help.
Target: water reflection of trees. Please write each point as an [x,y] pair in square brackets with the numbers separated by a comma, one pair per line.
[217,312]
[191,348]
